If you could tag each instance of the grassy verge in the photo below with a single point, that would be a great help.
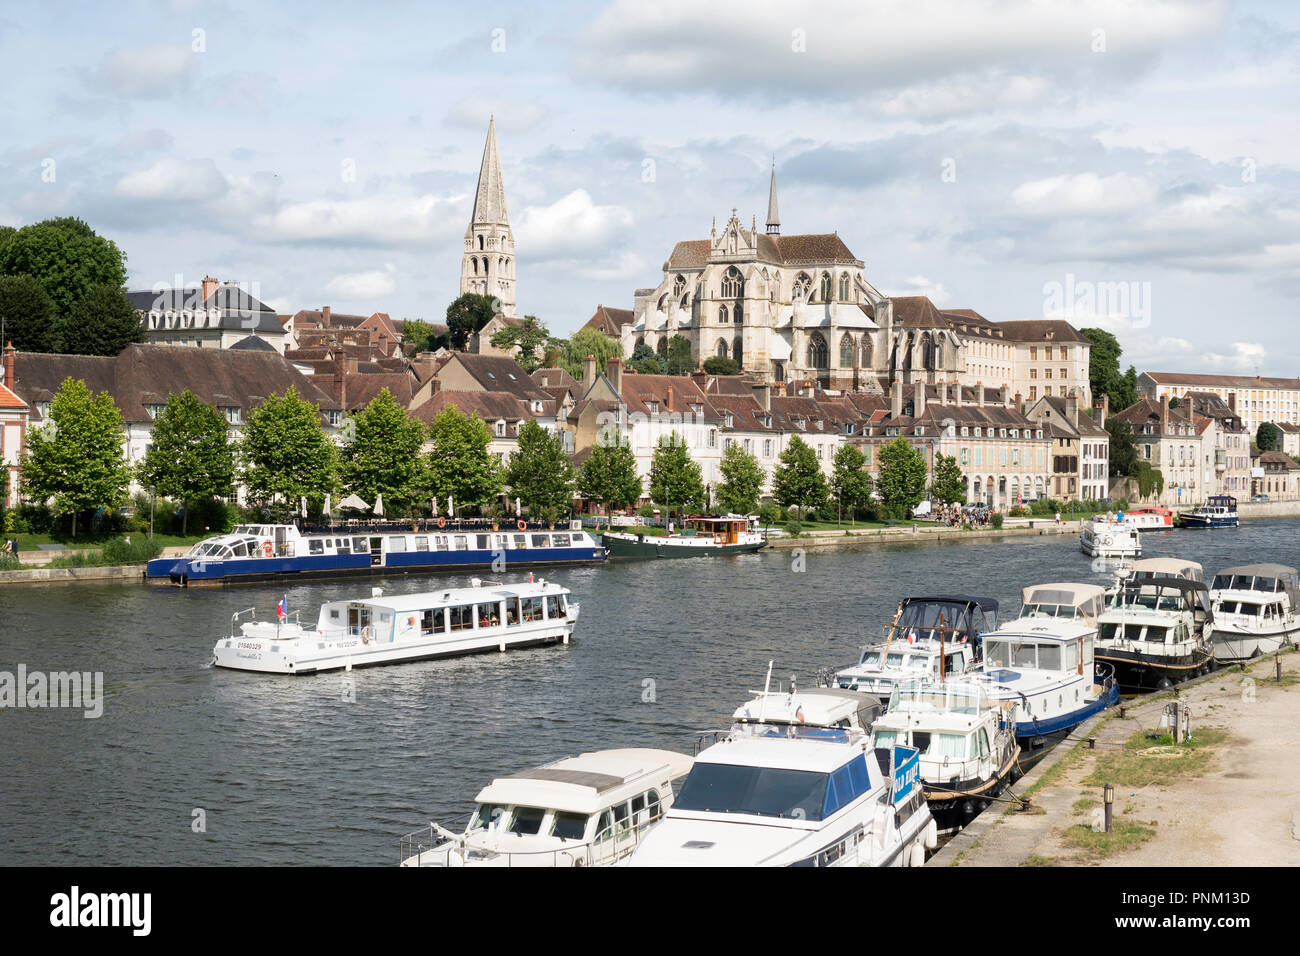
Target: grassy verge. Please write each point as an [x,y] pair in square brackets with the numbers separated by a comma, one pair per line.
[1096,844]
[1147,760]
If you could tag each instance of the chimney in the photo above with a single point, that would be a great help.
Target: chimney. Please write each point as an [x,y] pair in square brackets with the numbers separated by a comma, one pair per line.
[1232,401]
[763,394]
[896,399]
[614,369]
[1019,401]
[589,371]
[1072,410]
[210,284]
[341,379]
[325,315]
[8,377]
[1164,413]
[943,393]
[1105,408]
[979,394]
[918,402]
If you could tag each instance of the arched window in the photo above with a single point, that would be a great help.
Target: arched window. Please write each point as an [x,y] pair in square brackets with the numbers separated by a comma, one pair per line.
[474,260]
[826,287]
[480,243]
[663,302]
[802,283]
[722,314]
[686,301]
[679,284]
[844,287]
[927,352]
[866,351]
[817,351]
[738,314]
[662,347]
[722,348]
[778,371]
[737,353]
[938,353]
[733,286]
[846,351]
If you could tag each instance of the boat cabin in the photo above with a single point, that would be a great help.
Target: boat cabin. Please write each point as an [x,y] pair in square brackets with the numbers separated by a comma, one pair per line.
[947,618]
[724,529]
[1050,646]
[1266,579]
[1076,602]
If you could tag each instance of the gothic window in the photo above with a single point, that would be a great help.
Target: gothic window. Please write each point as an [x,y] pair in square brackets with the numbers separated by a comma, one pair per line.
[474,261]
[866,351]
[738,314]
[927,352]
[662,347]
[844,287]
[480,243]
[679,284]
[938,353]
[733,286]
[817,351]
[802,283]
[722,314]
[826,287]
[722,348]
[846,351]
[778,370]
[686,301]
[663,301]
[737,353]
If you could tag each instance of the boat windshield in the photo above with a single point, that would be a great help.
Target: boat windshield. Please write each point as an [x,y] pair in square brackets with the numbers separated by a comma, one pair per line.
[916,697]
[1023,654]
[1245,582]
[761,791]
[487,815]
[1049,610]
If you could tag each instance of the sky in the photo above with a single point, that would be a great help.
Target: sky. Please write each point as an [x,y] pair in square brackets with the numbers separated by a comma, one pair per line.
[1128,165]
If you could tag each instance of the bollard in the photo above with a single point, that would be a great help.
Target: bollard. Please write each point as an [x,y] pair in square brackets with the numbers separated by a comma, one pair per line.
[1123,711]
[1277,662]
[1108,798]
[1092,743]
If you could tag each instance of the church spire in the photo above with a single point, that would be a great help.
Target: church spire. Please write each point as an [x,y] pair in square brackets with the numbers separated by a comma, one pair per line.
[490,197]
[773,217]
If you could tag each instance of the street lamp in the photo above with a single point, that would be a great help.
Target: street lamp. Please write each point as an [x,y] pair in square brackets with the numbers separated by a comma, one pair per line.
[1108,798]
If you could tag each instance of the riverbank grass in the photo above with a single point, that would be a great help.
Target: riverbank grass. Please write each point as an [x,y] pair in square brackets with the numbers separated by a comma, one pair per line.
[1097,844]
[1148,760]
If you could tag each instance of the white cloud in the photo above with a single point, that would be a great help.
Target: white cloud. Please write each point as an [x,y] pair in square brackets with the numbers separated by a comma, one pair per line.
[145,72]
[174,180]
[374,284]
[381,219]
[920,285]
[570,227]
[1084,194]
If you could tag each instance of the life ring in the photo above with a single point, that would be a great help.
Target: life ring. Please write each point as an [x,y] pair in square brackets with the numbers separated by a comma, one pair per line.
[365,634]
[1106,541]
[266,549]
[522,525]
[442,522]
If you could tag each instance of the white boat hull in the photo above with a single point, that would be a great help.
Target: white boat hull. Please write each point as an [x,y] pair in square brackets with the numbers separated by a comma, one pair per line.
[1230,645]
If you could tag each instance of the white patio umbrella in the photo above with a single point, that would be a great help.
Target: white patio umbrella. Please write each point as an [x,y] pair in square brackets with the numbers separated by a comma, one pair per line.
[451,506]
[379,504]
[304,506]
[328,504]
[355,502]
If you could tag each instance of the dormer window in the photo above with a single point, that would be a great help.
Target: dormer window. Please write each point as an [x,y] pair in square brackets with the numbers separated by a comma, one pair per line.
[653,406]
[730,420]
[153,410]
[501,429]
[234,414]
[767,421]
[335,417]
[537,405]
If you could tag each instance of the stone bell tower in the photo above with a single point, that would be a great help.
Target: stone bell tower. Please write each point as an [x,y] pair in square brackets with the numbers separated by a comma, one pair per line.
[488,265]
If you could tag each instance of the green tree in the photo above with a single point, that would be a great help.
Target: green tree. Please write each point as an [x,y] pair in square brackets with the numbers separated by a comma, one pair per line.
[948,486]
[798,480]
[609,474]
[529,339]
[675,477]
[539,473]
[742,480]
[381,454]
[419,336]
[76,460]
[1268,437]
[901,485]
[467,315]
[66,257]
[459,464]
[721,365]
[190,456]
[850,481]
[27,315]
[103,322]
[1123,450]
[1103,369]
[574,351]
[646,360]
[287,455]
[678,360]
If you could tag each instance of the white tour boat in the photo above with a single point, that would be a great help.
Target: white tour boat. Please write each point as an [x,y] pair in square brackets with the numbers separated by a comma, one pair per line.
[1044,668]
[967,744]
[589,810]
[1156,630]
[383,630]
[1104,537]
[929,637]
[1255,610]
[1075,602]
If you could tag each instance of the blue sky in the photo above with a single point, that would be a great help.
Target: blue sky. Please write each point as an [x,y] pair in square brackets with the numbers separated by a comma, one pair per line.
[976,152]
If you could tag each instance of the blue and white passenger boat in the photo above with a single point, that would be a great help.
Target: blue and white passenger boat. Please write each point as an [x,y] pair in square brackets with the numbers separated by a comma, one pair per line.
[1219,511]
[1042,669]
[274,551]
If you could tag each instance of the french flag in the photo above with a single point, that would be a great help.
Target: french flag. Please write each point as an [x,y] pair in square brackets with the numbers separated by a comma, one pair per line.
[282,609]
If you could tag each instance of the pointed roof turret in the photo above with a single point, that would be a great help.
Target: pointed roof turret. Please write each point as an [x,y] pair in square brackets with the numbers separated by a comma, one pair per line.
[490,197]
[773,217]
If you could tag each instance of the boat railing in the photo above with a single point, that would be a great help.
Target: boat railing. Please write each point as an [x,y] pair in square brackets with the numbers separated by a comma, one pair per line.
[234,618]
[897,634]
[350,526]
[614,843]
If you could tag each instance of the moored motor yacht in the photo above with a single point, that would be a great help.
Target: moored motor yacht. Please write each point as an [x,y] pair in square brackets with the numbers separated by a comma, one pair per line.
[967,744]
[832,707]
[1156,631]
[361,632]
[1148,518]
[1255,610]
[1104,537]
[701,536]
[1076,602]
[1219,511]
[589,810]
[807,797]
[1044,668]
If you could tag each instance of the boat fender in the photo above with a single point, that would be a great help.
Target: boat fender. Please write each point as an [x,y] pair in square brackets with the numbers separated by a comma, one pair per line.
[931,834]
[882,824]
[916,856]
[266,548]
[522,525]
[365,634]
[442,522]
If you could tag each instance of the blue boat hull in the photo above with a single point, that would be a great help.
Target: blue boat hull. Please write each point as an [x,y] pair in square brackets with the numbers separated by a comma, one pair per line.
[1031,730]
[1204,521]
[194,572]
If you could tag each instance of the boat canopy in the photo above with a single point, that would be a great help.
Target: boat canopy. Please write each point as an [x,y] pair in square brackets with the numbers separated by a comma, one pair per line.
[819,706]
[1259,577]
[1172,567]
[1063,600]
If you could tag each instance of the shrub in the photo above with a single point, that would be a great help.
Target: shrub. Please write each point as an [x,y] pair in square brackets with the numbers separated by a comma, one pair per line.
[135,551]
[793,529]
[995,520]
[8,562]
[769,513]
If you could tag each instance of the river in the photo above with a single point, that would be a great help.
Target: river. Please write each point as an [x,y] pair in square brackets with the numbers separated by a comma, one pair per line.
[192,765]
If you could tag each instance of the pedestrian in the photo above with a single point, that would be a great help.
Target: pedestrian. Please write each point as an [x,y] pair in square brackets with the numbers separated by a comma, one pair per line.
[1058,517]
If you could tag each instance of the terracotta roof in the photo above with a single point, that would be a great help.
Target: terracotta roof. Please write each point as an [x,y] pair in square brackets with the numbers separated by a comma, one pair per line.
[1221,381]
[1281,460]
[548,378]
[9,400]
[609,321]
[918,312]
[500,373]
[673,393]
[1040,330]
[489,406]
[810,250]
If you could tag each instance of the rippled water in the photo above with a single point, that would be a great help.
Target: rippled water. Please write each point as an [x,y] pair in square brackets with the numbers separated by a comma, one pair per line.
[288,771]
